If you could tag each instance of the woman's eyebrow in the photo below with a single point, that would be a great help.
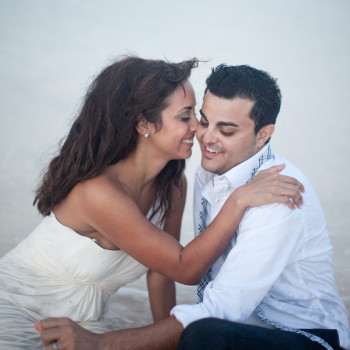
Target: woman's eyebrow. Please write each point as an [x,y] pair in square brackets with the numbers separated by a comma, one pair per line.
[185,108]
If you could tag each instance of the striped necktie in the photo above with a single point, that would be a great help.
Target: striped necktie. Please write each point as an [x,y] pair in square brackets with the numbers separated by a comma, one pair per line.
[201,226]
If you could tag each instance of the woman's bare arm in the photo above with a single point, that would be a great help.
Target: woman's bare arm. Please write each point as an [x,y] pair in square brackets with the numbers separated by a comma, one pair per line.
[116,216]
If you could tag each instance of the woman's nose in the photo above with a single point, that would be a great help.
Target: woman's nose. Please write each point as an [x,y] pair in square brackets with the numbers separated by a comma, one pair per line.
[194,124]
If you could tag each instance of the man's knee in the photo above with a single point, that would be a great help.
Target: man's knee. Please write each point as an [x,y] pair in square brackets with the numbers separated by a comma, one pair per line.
[208,333]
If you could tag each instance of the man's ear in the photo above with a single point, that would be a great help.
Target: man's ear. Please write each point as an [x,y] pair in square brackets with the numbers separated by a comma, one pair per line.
[264,134]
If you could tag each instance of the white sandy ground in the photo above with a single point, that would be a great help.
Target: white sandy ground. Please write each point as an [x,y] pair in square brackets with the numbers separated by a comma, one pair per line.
[50,50]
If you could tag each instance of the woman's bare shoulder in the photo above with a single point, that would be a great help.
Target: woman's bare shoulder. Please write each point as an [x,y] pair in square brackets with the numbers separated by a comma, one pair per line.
[100,187]
[86,199]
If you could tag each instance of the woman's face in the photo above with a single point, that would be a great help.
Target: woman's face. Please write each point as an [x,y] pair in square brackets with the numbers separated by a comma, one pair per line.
[174,140]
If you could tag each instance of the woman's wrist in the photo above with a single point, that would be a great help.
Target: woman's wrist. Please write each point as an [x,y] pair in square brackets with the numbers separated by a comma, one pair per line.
[239,199]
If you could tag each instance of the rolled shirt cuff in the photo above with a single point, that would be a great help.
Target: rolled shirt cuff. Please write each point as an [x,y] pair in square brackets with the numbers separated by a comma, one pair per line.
[187,314]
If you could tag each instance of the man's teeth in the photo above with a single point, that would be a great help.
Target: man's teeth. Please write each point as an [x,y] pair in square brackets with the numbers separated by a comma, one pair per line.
[211,150]
[187,141]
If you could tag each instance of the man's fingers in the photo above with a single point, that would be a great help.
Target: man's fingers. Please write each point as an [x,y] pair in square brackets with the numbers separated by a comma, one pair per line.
[53,329]
[50,347]
[37,326]
[50,335]
[52,322]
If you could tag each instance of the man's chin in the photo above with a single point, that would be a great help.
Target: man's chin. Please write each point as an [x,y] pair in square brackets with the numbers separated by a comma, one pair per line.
[209,167]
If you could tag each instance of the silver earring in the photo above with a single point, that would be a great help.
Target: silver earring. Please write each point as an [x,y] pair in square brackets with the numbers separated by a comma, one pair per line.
[146,135]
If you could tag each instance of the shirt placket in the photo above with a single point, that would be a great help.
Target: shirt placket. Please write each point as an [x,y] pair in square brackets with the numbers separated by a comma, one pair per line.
[221,192]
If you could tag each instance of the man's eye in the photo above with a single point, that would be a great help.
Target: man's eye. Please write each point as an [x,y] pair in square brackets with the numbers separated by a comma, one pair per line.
[225,133]
[203,123]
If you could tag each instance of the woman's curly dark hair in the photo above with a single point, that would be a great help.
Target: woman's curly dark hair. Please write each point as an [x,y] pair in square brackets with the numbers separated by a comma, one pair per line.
[105,130]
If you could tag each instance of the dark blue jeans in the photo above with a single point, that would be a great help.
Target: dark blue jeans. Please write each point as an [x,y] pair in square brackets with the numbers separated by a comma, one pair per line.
[217,334]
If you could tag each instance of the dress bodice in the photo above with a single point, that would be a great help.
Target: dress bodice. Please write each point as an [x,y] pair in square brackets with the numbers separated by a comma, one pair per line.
[79,258]
[57,272]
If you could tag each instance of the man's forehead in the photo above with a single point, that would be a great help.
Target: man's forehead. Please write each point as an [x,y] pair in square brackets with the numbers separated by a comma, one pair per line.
[210,97]
[225,109]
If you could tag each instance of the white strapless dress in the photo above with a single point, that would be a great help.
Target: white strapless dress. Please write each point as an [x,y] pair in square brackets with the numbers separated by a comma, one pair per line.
[57,272]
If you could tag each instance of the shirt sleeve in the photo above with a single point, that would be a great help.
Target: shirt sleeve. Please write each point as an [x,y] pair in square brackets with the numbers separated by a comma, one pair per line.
[268,238]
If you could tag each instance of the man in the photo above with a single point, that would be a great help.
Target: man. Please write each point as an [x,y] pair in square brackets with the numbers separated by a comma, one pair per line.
[273,287]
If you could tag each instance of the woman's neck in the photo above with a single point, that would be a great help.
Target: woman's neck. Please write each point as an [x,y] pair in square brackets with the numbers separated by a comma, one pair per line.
[138,171]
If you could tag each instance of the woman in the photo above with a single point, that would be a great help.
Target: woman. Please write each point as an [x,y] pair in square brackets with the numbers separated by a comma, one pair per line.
[112,202]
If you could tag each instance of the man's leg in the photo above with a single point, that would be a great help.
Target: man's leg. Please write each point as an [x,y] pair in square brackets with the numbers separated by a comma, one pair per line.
[212,333]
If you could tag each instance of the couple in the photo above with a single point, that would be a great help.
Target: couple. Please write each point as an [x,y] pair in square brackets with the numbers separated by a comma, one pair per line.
[267,286]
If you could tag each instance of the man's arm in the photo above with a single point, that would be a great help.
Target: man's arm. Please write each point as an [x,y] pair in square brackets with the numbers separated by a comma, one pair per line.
[162,295]
[163,335]
[161,289]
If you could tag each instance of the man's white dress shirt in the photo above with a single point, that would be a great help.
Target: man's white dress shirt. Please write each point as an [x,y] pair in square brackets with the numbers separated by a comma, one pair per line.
[280,260]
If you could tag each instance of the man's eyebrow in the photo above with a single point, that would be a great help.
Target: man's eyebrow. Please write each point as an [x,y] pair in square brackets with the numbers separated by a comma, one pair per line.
[227,124]
[203,115]
[220,123]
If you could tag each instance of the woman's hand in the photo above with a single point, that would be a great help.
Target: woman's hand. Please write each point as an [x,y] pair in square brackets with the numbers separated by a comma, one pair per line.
[270,187]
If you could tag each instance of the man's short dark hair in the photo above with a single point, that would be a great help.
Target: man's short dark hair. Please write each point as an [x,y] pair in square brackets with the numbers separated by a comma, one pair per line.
[250,83]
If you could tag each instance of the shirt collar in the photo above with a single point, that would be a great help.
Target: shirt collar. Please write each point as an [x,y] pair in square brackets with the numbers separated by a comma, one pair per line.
[236,176]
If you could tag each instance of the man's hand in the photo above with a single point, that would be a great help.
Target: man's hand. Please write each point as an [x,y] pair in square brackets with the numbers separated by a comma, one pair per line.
[67,334]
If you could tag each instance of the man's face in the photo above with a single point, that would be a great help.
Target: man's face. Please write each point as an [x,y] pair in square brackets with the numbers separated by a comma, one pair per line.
[226,133]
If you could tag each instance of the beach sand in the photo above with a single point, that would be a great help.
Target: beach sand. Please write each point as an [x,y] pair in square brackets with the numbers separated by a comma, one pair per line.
[51,50]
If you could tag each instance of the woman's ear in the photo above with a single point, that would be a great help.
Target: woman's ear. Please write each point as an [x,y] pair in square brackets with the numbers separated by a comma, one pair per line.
[142,126]
[264,134]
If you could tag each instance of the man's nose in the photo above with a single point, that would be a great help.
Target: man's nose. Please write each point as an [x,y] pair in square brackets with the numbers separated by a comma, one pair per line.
[208,136]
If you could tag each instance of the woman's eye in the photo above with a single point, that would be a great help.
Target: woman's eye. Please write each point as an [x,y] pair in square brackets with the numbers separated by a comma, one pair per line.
[185,119]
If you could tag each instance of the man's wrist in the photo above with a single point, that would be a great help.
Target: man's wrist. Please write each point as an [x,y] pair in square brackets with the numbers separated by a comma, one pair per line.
[162,335]
[107,341]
